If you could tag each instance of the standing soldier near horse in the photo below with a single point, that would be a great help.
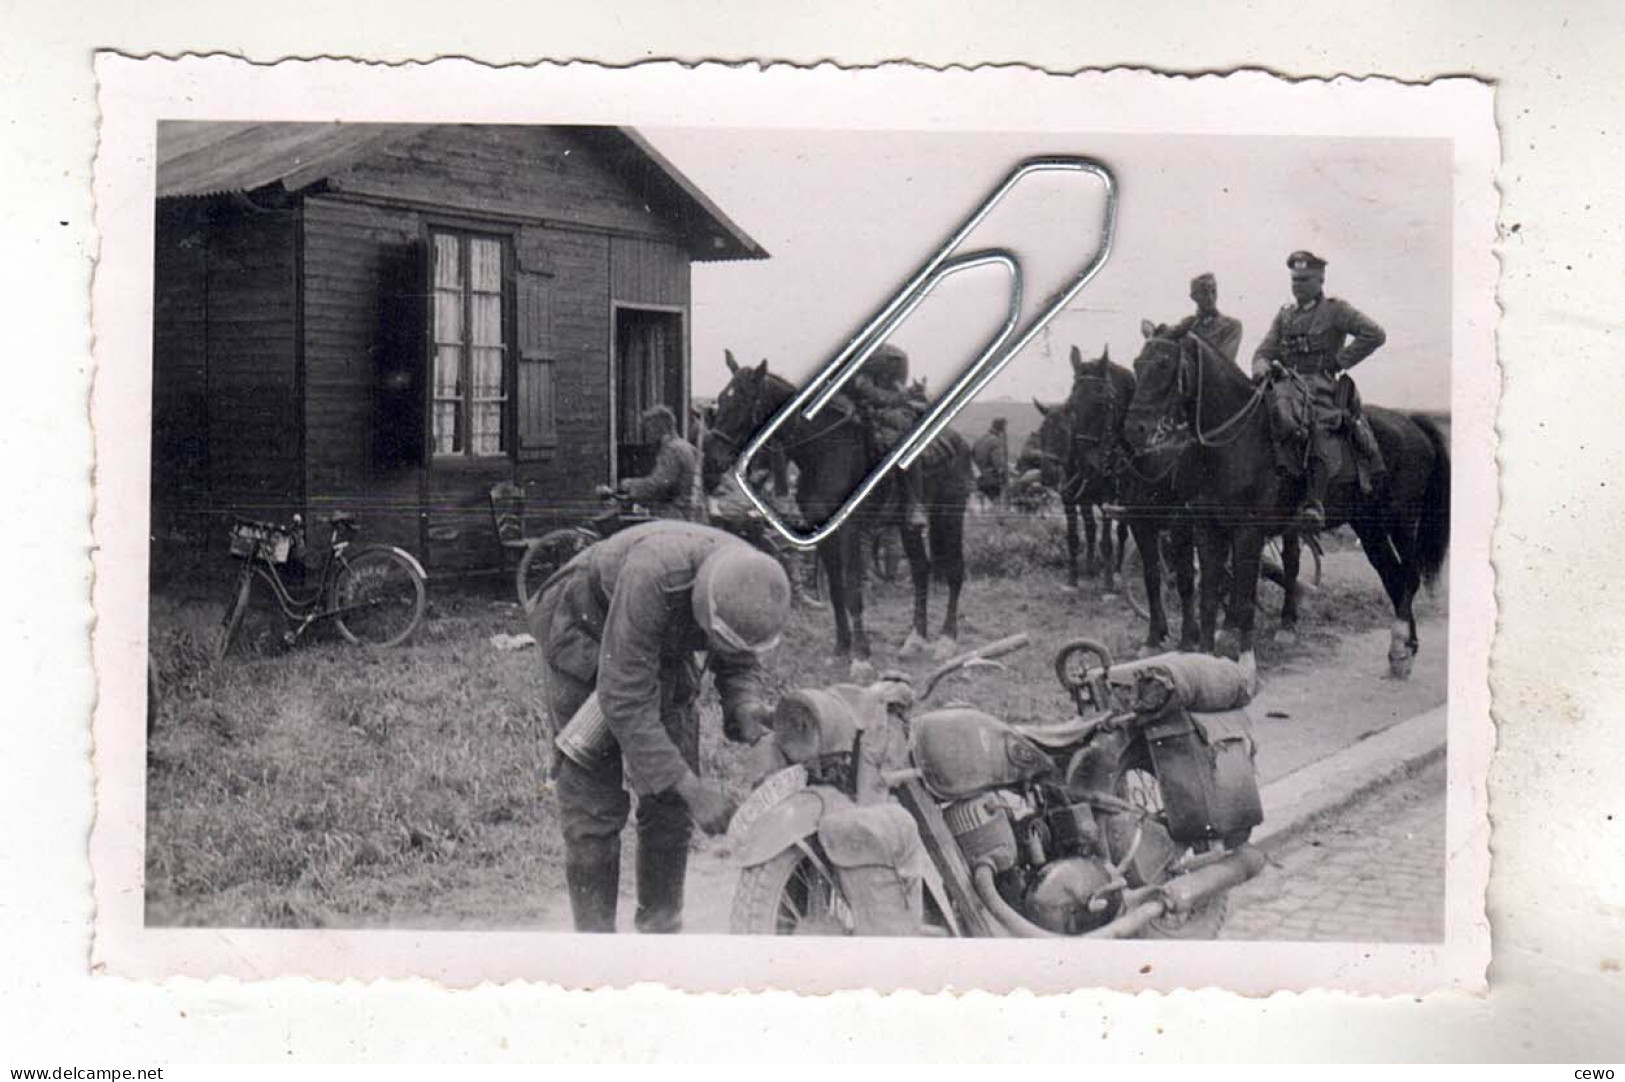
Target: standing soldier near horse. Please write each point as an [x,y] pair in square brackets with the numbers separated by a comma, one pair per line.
[623,621]
[1218,330]
[672,488]
[1312,342]
[992,458]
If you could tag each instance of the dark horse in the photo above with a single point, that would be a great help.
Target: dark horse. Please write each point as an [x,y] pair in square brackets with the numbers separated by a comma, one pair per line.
[1206,419]
[1075,451]
[832,455]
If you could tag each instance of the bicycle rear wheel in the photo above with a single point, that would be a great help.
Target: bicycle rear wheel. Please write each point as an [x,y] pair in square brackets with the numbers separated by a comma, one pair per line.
[379,597]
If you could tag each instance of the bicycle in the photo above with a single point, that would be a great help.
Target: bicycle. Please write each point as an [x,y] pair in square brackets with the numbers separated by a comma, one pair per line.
[555,548]
[374,594]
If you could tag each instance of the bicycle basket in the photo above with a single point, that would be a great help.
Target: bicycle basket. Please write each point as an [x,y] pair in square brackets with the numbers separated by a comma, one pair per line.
[249,539]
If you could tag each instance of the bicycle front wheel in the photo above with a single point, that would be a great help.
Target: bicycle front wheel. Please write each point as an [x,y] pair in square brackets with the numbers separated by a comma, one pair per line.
[378,598]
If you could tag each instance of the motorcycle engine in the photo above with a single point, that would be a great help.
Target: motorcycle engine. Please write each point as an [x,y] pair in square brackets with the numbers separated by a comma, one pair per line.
[1045,859]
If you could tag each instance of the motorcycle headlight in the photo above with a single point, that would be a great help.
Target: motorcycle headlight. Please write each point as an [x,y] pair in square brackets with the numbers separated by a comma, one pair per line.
[809,723]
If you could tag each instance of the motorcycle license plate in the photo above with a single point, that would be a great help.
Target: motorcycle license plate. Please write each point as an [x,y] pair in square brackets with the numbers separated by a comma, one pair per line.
[775,788]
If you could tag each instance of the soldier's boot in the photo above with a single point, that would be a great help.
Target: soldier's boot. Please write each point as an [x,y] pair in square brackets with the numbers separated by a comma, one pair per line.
[592,871]
[1312,515]
[1367,452]
[663,833]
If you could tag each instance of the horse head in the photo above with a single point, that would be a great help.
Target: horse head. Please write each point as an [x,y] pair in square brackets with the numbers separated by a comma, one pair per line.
[750,398]
[1096,408]
[1163,386]
[1046,448]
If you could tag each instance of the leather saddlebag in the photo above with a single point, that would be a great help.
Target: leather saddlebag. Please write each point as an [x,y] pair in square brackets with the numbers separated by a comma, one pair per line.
[1204,765]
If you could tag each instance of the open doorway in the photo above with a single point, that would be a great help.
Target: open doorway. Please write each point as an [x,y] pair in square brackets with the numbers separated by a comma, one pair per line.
[649,371]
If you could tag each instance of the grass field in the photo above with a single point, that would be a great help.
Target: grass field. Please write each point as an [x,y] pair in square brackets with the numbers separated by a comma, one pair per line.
[332,786]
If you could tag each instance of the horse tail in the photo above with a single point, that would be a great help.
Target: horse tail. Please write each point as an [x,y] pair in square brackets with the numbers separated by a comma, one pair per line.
[1433,529]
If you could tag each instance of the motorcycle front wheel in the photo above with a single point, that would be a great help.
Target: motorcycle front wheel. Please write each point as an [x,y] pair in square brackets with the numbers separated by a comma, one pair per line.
[790,895]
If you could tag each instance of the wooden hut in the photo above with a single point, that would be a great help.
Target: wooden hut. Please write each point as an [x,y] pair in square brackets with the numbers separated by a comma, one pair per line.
[390,319]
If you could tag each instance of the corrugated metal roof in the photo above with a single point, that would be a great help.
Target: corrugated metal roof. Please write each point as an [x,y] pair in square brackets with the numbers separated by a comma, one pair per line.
[201,158]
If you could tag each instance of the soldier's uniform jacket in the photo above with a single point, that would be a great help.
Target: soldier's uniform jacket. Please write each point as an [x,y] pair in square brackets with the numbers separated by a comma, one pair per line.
[991,456]
[671,488]
[1220,331]
[890,412]
[620,615]
[1311,340]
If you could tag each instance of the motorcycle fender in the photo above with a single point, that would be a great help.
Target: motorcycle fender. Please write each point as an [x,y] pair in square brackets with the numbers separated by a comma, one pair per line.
[795,817]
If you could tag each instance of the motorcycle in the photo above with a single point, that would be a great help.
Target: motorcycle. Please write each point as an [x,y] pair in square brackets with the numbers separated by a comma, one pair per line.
[1129,818]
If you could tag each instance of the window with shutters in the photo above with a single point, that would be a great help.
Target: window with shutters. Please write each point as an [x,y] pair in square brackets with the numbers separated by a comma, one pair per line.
[469,414]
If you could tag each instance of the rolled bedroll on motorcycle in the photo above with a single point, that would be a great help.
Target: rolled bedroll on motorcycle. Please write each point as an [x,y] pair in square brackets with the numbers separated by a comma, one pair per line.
[1129,818]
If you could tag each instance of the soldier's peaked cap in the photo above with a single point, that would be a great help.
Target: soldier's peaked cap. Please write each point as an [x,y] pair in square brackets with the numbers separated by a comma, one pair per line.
[1305,261]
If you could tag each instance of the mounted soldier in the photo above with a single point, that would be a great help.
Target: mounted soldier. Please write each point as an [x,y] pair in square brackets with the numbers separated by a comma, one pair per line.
[1218,330]
[1309,347]
[620,626]
[890,409]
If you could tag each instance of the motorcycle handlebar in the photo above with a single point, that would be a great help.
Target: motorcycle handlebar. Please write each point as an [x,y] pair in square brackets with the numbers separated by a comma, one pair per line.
[999,648]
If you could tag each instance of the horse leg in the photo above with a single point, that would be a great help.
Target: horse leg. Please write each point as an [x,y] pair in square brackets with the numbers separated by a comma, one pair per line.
[1091,561]
[948,553]
[856,561]
[1383,557]
[830,555]
[1246,553]
[1182,553]
[1146,537]
[919,573]
[1071,510]
[1108,564]
[1214,545]
[1291,563]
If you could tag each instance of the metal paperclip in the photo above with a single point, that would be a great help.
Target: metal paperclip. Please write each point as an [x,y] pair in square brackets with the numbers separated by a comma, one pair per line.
[827,383]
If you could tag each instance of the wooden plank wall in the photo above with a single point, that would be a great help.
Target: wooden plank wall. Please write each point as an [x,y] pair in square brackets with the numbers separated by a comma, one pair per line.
[532,172]
[359,261]
[254,448]
[180,416]
[225,431]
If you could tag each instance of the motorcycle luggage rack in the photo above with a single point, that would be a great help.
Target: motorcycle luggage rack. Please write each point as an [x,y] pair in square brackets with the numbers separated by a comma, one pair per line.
[995,355]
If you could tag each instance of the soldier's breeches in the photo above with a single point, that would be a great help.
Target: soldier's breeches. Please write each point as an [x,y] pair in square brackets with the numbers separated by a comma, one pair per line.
[593,810]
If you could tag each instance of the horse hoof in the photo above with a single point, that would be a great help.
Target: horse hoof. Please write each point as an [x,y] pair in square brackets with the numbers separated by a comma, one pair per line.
[944,648]
[1069,589]
[861,672]
[1285,637]
[1400,667]
[914,645]
[1148,649]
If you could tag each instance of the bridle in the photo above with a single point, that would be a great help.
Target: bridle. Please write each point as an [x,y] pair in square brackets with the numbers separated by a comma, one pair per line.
[1174,432]
[758,416]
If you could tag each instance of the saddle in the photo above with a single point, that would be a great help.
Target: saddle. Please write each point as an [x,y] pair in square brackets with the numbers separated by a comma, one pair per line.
[1339,427]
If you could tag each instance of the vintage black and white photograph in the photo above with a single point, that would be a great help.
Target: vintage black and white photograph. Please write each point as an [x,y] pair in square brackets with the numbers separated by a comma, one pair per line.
[475,594]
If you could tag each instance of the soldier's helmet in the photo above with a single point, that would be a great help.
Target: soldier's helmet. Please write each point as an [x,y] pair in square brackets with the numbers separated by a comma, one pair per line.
[741,599]
[888,364]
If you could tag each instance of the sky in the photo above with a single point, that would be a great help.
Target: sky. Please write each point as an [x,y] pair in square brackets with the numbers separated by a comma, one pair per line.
[848,215]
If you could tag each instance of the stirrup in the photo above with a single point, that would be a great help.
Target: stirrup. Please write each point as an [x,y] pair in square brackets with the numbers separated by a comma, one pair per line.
[1311,518]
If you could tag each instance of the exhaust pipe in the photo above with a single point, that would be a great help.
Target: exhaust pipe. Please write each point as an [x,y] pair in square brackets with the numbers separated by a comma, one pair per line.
[1186,892]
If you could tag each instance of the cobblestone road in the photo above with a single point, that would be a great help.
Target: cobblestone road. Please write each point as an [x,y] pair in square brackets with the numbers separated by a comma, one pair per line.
[1371,874]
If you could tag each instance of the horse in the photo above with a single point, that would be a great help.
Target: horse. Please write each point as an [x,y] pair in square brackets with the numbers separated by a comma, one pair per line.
[832,455]
[1204,418]
[1074,452]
